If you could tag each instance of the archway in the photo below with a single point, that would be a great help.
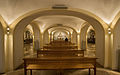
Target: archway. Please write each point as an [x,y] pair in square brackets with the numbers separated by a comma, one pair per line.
[73,35]
[64,30]
[28,40]
[24,20]
[60,35]
[91,41]
[37,35]
[83,36]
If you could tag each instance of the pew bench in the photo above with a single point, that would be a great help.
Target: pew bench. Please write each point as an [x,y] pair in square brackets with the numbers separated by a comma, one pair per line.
[59,63]
[60,47]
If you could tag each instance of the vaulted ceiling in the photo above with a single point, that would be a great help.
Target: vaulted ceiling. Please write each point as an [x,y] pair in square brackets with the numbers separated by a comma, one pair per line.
[105,9]
[69,21]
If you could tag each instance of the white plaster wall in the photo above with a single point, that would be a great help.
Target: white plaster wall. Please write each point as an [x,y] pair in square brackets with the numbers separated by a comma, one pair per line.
[18,49]
[100,52]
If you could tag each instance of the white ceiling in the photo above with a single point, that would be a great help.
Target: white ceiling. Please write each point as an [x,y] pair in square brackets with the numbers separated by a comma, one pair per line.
[105,9]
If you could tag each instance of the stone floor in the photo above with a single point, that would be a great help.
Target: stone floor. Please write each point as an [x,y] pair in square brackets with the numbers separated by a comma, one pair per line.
[100,71]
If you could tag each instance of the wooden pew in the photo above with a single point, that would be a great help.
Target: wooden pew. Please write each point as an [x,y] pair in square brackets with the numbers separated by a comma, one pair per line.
[60,47]
[59,52]
[59,63]
[60,42]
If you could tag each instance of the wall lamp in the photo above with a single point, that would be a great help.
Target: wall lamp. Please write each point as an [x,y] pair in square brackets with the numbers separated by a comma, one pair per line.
[8,30]
[109,30]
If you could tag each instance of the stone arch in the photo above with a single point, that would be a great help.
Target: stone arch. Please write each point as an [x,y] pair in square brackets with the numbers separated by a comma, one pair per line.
[60,26]
[55,31]
[74,31]
[19,24]
[83,35]
[37,35]
[52,31]
[58,30]
[64,30]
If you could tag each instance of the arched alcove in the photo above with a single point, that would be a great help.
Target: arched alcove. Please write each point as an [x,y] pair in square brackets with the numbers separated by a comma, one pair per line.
[24,20]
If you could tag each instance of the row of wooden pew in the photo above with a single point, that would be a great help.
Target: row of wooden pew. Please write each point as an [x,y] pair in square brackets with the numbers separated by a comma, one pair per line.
[59,59]
[60,47]
[61,42]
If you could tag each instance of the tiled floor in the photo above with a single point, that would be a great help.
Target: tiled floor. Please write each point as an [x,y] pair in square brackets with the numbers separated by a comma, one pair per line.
[100,71]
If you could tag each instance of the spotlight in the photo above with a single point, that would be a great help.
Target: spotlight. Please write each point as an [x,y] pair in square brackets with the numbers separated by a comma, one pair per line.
[109,30]
[8,30]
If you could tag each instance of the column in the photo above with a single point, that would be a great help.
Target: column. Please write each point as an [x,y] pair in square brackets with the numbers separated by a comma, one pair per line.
[49,37]
[78,40]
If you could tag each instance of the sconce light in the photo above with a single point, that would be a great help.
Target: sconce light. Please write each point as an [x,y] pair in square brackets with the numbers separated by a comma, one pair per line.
[8,30]
[109,30]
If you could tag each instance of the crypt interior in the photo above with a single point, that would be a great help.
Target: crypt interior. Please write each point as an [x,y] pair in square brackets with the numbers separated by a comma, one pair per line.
[29,26]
